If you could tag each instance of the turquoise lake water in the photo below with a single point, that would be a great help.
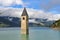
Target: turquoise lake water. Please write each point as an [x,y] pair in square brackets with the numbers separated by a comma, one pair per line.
[35,33]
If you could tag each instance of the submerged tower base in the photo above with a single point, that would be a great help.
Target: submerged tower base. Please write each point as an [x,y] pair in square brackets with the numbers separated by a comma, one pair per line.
[24,31]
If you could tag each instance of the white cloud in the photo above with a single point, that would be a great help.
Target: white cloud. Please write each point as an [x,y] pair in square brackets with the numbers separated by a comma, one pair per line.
[10,2]
[33,13]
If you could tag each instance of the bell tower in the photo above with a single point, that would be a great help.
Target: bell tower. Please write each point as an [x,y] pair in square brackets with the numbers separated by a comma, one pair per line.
[24,22]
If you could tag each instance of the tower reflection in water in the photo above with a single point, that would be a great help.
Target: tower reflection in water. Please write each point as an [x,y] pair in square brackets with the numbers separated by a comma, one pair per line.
[24,37]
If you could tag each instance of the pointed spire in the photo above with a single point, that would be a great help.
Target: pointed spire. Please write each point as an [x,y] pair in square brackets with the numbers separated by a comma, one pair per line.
[24,12]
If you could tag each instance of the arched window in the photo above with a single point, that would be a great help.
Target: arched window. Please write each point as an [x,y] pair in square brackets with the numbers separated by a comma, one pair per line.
[23,18]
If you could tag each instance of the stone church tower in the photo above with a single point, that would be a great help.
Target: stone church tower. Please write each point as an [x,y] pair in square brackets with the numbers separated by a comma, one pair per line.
[24,22]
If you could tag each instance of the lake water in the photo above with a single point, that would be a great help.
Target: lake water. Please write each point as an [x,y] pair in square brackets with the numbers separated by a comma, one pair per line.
[35,33]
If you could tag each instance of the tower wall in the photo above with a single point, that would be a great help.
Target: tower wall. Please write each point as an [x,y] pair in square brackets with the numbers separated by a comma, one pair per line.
[24,24]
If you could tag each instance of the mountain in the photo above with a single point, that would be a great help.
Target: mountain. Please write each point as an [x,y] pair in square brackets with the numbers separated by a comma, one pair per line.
[56,24]
[9,21]
[11,17]
[16,22]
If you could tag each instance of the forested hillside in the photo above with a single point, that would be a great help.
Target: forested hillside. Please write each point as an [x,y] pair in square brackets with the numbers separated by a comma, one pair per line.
[56,24]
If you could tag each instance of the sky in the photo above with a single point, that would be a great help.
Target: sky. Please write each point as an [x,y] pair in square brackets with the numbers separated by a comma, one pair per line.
[51,6]
[46,5]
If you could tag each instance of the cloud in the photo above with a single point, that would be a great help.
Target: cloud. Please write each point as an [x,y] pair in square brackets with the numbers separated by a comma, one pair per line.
[33,13]
[49,4]
[38,4]
[11,2]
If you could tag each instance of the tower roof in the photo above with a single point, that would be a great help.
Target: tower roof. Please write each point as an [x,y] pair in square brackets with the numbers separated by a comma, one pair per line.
[24,12]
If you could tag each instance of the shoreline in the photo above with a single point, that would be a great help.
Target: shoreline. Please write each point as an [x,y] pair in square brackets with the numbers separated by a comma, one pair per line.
[56,28]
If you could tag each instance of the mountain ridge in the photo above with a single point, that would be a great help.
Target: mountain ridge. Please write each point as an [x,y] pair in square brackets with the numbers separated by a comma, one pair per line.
[16,22]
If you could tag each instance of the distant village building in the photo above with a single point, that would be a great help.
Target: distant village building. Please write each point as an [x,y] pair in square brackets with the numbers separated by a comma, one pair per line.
[24,22]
